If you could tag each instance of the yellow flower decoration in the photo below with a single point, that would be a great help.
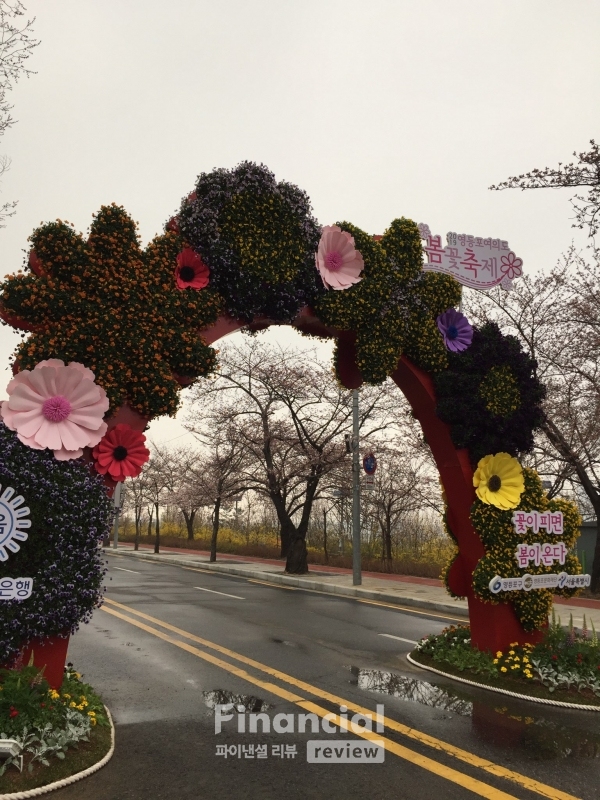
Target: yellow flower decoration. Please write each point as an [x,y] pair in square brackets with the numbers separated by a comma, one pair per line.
[498,481]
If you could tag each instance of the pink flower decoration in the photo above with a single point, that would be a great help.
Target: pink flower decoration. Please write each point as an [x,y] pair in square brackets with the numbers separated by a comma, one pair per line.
[191,272]
[510,266]
[337,260]
[57,407]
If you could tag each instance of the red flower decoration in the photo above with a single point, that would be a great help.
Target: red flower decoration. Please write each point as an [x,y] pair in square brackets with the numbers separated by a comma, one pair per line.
[121,453]
[191,272]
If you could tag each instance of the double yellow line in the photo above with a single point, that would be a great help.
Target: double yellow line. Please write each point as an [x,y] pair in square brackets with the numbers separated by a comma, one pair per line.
[462,779]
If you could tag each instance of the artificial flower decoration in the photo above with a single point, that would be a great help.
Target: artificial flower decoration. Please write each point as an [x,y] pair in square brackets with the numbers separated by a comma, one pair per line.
[56,407]
[498,481]
[456,331]
[121,453]
[510,266]
[338,261]
[191,272]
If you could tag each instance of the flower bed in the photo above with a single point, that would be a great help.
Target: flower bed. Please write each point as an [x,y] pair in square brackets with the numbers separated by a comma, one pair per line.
[60,733]
[564,667]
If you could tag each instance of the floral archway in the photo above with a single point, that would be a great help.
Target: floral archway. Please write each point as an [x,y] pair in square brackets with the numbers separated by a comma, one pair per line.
[125,328]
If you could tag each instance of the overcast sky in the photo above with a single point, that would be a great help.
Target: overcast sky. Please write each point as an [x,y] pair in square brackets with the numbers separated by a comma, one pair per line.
[377,108]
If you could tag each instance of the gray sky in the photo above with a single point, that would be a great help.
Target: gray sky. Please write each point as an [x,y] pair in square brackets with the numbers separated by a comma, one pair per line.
[377,108]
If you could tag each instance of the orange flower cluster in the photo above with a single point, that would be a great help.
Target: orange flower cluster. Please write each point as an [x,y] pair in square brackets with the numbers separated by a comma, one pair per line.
[114,307]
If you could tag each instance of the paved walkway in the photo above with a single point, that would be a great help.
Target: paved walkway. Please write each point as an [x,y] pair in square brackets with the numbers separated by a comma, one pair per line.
[407,590]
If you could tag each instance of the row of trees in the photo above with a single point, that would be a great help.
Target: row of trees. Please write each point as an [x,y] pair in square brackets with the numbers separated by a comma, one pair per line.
[272,424]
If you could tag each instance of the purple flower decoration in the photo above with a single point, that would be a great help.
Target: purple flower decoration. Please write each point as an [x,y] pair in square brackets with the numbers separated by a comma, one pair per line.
[455,329]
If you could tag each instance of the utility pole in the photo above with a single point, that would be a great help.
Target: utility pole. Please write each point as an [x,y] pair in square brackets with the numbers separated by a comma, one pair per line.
[356,559]
[117,504]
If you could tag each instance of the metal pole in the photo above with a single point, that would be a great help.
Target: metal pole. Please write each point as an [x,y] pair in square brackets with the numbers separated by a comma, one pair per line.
[356,565]
[117,504]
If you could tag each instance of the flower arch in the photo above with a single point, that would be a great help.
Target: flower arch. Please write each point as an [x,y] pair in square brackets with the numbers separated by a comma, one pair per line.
[245,252]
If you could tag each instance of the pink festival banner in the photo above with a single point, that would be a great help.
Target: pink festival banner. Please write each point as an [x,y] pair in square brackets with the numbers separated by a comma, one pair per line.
[474,261]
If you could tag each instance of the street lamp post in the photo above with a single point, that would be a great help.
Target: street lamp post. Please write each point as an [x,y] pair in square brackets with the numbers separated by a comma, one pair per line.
[356,555]
[117,504]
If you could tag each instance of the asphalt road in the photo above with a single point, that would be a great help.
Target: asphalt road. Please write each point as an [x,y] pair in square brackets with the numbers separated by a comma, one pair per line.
[171,643]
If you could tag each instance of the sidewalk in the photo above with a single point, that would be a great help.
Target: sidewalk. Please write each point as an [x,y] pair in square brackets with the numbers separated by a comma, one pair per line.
[402,590]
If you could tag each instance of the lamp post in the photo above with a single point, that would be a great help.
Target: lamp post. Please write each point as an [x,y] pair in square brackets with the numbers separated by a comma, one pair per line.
[356,555]
[117,504]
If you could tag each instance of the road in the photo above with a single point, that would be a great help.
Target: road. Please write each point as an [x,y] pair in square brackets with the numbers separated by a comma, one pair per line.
[173,642]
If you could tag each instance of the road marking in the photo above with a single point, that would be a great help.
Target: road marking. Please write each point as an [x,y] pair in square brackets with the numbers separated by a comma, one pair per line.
[196,569]
[409,609]
[122,569]
[424,738]
[273,585]
[212,591]
[402,608]
[466,781]
[400,638]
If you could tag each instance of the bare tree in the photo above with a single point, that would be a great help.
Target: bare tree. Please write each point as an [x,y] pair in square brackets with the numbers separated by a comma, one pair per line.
[290,415]
[220,474]
[16,46]
[585,172]
[134,499]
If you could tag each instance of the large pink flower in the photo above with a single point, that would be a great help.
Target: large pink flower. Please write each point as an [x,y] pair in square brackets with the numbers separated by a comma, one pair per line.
[57,407]
[338,261]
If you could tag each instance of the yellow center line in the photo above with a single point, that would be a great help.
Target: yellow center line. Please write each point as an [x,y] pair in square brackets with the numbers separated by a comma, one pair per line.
[466,781]
[273,585]
[423,738]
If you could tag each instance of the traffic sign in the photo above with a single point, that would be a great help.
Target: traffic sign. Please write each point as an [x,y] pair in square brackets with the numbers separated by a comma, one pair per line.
[370,464]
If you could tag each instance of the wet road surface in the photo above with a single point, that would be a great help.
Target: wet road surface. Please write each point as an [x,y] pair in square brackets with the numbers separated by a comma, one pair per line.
[174,643]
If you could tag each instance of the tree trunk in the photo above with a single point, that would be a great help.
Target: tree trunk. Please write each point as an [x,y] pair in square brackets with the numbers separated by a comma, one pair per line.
[287,532]
[325,536]
[138,526]
[215,530]
[561,444]
[150,518]
[189,522]
[157,540]
[297,556]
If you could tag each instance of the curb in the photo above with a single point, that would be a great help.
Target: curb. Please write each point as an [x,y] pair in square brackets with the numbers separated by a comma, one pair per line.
[517,695]
[301,583]
[50,787]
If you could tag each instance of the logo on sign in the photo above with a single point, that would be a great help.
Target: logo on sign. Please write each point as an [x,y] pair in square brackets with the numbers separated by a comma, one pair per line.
[13,522]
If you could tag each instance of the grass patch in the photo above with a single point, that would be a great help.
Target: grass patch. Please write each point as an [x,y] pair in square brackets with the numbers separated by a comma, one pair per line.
[78,757]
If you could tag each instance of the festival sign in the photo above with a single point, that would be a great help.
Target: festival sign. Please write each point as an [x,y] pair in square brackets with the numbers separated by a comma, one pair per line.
[12,522]
[474,261]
